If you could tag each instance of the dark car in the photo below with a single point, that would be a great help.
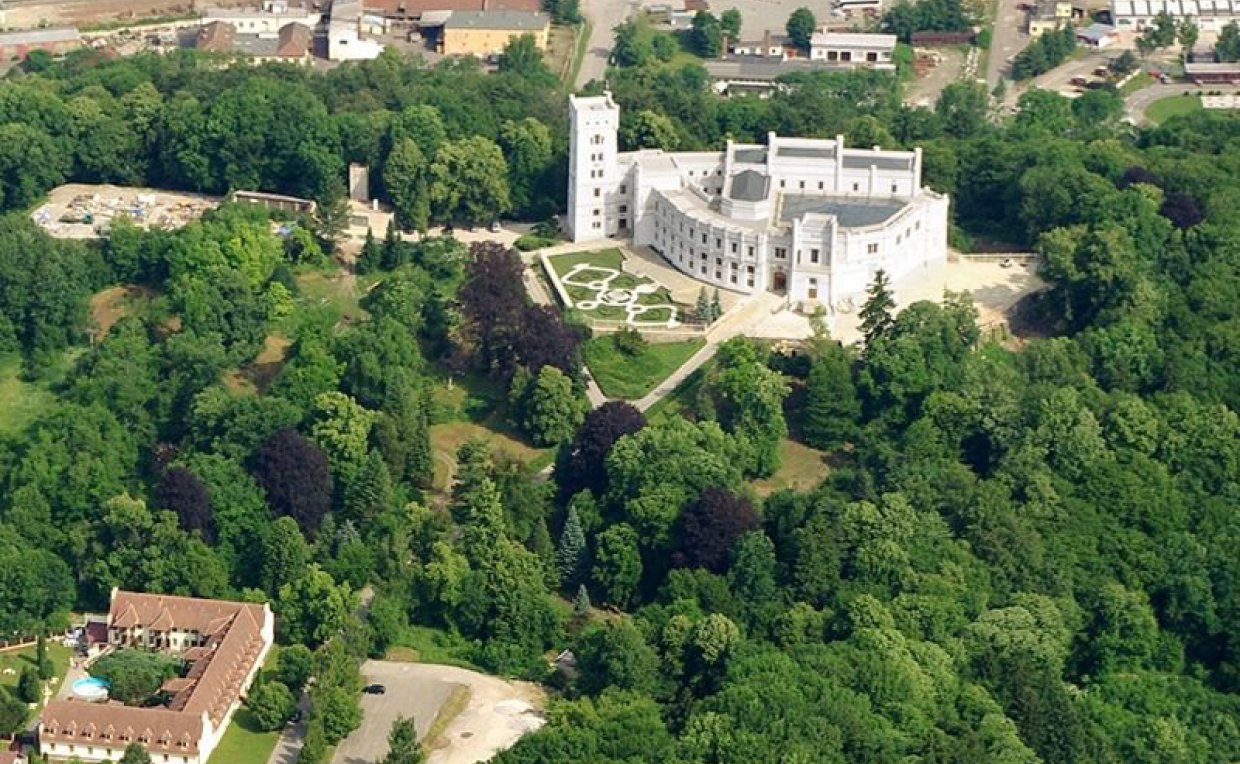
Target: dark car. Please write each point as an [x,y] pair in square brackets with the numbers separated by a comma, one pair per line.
[374,689]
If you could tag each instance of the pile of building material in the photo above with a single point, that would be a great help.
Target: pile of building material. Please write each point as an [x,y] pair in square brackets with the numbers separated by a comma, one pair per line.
[78,211]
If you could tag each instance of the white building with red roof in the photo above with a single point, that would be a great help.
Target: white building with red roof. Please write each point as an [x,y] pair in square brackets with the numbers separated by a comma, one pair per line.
[224,644]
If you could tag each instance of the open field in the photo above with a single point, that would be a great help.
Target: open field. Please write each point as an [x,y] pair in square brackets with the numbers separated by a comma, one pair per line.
[801,468]
[81,211]
[631,377]
[243,743]
[20,402]
[1163,110]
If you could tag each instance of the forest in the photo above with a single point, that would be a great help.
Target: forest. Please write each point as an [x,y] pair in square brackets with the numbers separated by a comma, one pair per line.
[1020,551]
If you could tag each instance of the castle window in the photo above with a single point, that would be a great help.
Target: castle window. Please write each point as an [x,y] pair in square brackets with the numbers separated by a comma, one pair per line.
[820,186]
[624,208]
[872,249]
[813,256]
[894,188]
[781,253]
[751,255]
[718,274]
[781,184]
[718,243]
[597,213]
[802,185]
[624,189]
[598,192]
[718,261]
[735,247]
[856,187]
[812,292]
[917,226]
[703,238]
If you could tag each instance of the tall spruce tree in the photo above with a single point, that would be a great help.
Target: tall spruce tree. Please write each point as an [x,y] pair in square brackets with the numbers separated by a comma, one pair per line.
[702,308]
[876,314]
[570,555]
[371,257]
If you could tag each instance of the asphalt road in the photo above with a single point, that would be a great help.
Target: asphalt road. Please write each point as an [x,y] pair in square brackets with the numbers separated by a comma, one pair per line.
[1139,101]
[604,16]
[1008,39]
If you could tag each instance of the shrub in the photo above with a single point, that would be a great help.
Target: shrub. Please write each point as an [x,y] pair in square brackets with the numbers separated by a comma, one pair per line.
[530,242]
[629,341]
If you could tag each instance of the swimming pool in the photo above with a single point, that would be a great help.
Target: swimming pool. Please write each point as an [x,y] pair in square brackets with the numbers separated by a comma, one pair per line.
[90,688]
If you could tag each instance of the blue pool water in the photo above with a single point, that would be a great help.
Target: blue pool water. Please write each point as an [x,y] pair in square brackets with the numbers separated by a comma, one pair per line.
[90,688]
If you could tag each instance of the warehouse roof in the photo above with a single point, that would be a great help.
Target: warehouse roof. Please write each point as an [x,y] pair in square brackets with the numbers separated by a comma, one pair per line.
[518,20]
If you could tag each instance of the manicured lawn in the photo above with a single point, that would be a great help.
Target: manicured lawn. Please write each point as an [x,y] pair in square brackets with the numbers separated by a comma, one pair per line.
[16,660]
[801,468]
[681,400]
[606,258]
[20,402]
[631,377]
[1162,110]
[243,743]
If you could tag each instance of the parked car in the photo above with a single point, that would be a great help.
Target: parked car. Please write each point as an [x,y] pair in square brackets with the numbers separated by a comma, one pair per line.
[1078,82]
[374,689]
[1101,71]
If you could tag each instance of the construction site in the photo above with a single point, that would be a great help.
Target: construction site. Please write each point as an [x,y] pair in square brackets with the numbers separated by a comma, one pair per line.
[81,211]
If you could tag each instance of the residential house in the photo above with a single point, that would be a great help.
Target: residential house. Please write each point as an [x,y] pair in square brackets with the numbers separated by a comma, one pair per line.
[346,30]
[1049,15]
[268,20]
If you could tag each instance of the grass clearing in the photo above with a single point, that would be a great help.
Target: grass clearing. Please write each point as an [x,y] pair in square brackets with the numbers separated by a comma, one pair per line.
[110,305]
[447,438]
[1164,109]
[801,468]
[21,402]
[631,377]
[423,644]
[335,290]
[457,702]
[243,742]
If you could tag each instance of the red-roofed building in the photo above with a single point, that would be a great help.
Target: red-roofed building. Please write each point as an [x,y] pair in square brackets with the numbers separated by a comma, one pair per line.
[225,644]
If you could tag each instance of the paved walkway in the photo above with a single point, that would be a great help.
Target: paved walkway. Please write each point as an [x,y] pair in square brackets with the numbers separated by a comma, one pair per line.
[604,16]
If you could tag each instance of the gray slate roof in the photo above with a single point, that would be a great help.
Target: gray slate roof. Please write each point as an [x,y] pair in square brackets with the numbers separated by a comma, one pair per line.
[750,156]
[851,213]
[882,163]
[806,152]
[750,186]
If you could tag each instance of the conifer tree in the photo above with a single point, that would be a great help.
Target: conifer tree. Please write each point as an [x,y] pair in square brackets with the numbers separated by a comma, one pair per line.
[570,555]
[716,307]
[831,404]
[581,602]
[702,308]
[371,257]
[876,314]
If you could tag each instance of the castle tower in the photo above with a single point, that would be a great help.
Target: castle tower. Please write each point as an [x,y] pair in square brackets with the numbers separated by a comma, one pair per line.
[593,171]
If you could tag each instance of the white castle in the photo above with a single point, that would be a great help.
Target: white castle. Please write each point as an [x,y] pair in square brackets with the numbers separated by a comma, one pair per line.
[807,218]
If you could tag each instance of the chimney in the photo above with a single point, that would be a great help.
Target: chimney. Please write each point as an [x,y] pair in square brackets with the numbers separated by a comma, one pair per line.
[766,43]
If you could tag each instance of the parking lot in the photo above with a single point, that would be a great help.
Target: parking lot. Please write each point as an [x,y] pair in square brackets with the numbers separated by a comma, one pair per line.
[497,714]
